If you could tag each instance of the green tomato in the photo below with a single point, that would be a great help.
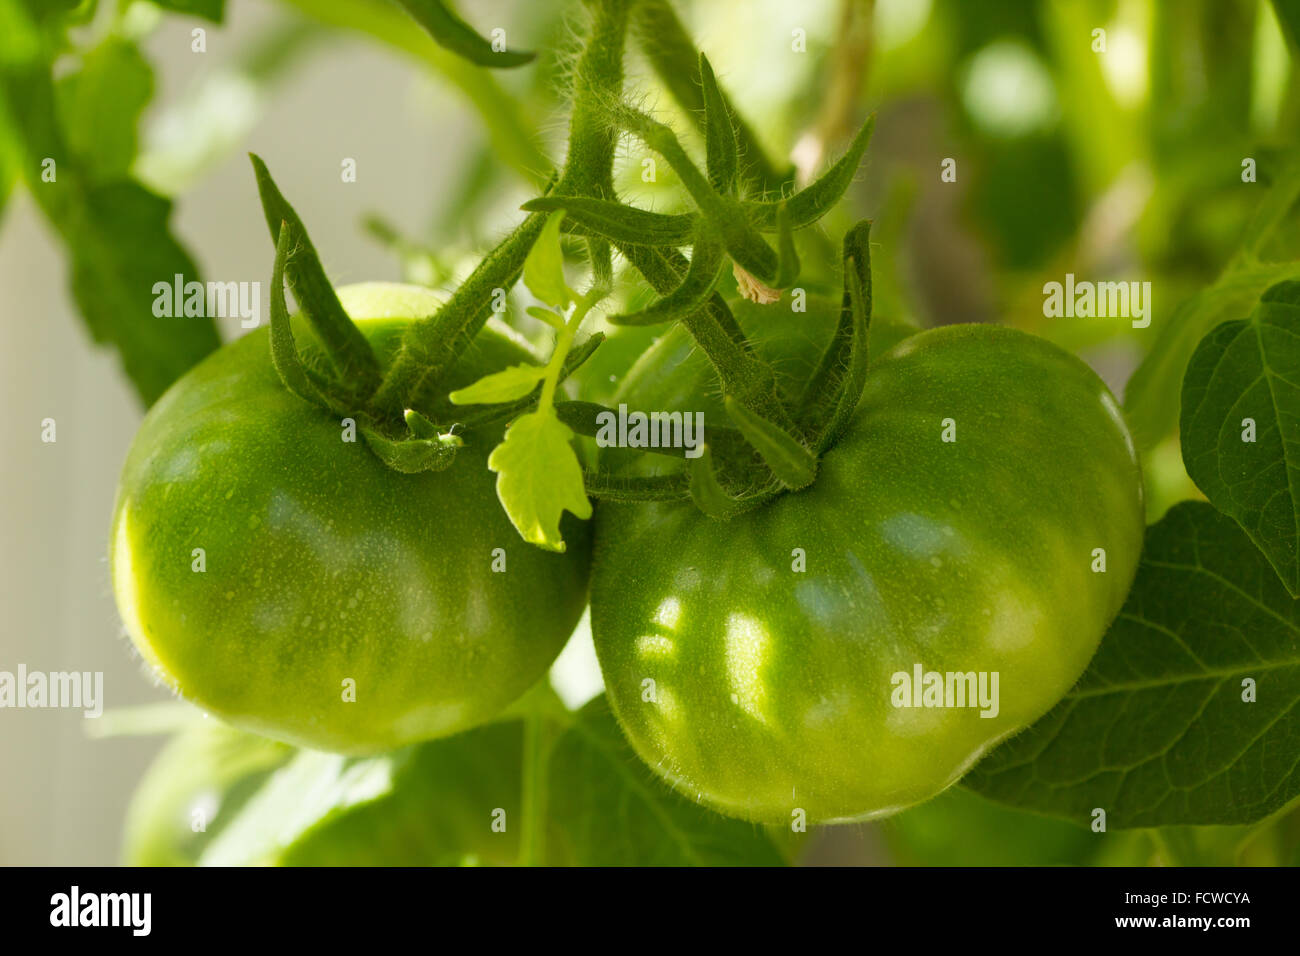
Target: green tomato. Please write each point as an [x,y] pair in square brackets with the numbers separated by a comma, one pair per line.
[762,664]
[272,570]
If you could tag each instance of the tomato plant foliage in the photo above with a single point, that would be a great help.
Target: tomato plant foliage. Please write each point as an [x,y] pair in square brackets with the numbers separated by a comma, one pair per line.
[451,802]
[1187,713]
[1241,425]
[359,536]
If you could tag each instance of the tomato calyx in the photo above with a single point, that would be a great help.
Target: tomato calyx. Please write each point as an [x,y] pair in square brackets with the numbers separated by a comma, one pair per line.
[349,353]
[780,437]
[744,467]
[425,446]
[404,438]
[743,221]
[428,448]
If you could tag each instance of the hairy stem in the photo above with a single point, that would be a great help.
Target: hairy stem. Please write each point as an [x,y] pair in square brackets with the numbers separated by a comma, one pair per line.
[745,377]
[564,342]
[598,76]
[666,44]
[431,347]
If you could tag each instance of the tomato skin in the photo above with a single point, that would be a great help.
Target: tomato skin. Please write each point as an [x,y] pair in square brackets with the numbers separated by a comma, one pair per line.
[772,688]
[323,566]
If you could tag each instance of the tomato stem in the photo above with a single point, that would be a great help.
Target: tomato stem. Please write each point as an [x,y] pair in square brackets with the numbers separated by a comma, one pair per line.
[749,379]
[597,76]
[672,55]
[563,343]
[430,347]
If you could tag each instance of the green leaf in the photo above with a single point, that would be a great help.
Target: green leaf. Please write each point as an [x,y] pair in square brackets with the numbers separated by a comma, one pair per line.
[544,267]
[1162,729]
[313,790]
[453,33]
[348,350]
[1249,370]
[546,315]
[213,10]
[195,787]
[619,222]
[122,252]
[120,249]
[100,105]
[793,464]
[503,413]
[266,803]
[606,808]
[1288,16]
[453,801]
[504,386]
[538,478]
[959,828]
[439,808]
[719,135]
[1152,394]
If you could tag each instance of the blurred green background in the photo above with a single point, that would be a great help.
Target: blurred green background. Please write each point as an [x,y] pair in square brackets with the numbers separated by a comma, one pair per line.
[1161,150]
